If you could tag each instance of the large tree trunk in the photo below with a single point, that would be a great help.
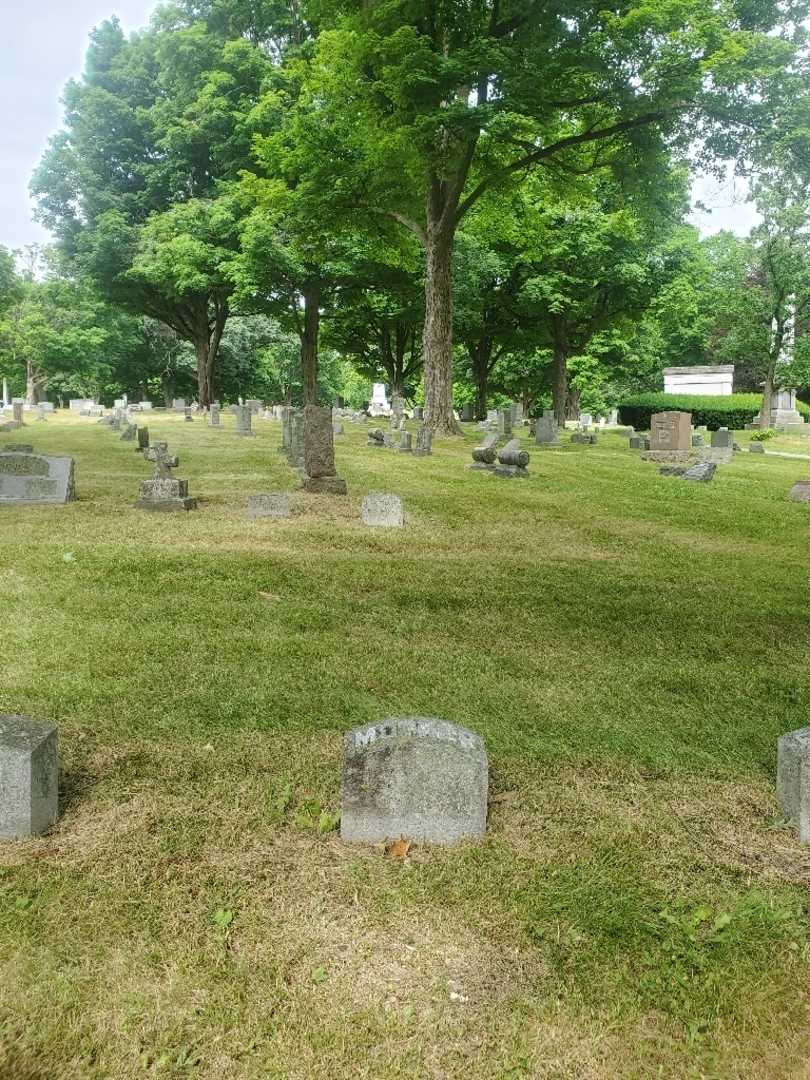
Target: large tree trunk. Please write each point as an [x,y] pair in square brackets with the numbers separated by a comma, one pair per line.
[438,338]
[309,346]
[202,347]
[767,394]
[559,382]
[574,402]
[31,384]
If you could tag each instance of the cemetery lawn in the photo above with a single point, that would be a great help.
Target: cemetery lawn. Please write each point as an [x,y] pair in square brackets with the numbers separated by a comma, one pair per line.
[628,645]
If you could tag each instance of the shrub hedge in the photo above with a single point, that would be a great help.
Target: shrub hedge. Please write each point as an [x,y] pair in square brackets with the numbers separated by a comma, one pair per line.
[733,411]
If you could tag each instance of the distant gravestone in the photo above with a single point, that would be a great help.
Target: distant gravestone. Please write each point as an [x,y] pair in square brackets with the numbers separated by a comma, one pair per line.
[418,412]
[254,405]
[274,504]
[800,492]
[702,471]
[382,511]
[189,415]
[376,437]
[639,442]
[17,412]
[145,406]
[697,440]
[164,493]
[467,412]
[512,460]
[34,479]
[243,421]
[405,442]
[424,442]
[793,780]
[128,433]
[415,777]
[670,431]
[285,416]
[756,448]
[584,437]
[143,440]
[40,414]
[505,423]
[320,475]
[214,416]
[29,777]
[723,438]
[295,455]
[179,405]
[485,454]
[545,430]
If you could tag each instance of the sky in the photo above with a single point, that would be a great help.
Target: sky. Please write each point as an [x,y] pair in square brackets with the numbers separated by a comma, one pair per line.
[44,45]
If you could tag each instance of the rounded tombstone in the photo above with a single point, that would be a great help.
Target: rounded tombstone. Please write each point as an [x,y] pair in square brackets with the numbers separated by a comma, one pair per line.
[417,777]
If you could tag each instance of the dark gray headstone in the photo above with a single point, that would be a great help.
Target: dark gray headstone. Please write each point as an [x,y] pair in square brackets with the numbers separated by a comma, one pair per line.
[405,442]
[416,777]
[467,412]
[424,442]
[545,429]
[320,475]
[722,437]
[793,780]
[243,421]
[29,777]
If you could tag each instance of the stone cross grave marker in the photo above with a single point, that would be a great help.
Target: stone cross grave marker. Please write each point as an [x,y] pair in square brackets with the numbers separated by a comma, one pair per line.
[164,493]
[416,777]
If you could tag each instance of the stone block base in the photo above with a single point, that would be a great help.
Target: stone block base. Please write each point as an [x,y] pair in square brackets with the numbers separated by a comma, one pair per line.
[166,506]
[667,457]
[510,471]
[324,485]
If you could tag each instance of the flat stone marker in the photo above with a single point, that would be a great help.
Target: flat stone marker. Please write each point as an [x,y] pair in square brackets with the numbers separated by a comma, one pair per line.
[416,777]
[29,777]
[273,504]
[383,511]
[800,492]
[756,448]
[702,472]
[33,479]
[793,780]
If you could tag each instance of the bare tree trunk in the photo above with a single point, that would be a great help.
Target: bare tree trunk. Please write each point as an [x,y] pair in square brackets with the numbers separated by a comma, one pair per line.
[438,336]
[31,384]
[309,346]
[574,400]
[202,347]
[481,357]
[767,394]
[559,383]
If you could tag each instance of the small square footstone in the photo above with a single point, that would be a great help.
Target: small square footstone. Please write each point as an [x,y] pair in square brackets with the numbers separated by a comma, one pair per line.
[800,492]
[383,511]
[702,472]
[29,777]
[756,448]
[416,777]
[793,780]
[274,504]
[672,470]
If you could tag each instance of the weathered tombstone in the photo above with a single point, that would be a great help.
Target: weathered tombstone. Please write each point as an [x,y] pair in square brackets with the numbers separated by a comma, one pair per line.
[129,433]
[424,442]
[793,780]
[337,426]
[40,414]
[505,423]
[286,430]
[34,479]
[587,439]
[418,412]
[397,411]
[382,511]
[17,412]
[143,440]
[213,416]
[243,421]
[800,492]
[512,460]
[545,429]
[388,440]
[405,442]
[485,454]
[189,416]
[254,405]
[697,440]
[723,438]
[415,777]
[757,448]
[467,412]
[179,405]
[320,475]
[145,406]
[671,470]
[376,437]
[295,455]
[702,471]
[18,448]
[585,420]
[670,431]
[163,492]
[29,777]
[274,504]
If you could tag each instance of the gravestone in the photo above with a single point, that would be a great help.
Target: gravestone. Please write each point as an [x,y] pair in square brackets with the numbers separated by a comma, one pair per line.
[18,448]
[254,405]
[467,412]
[585,420]
[376,437]
[723,438]
[757,448]
[243,421]
[639,442]
[416,777]
[418,412]
[382,511]
[214,417]
[505,423]
[670,431]
[164,493]
[274,504]
[17,412]
[584,438]
[295,455]
[405,442]
[424,442]
[388,440]
[143,440]
[129,433]
[545,429]
[793,780]
[702,471]
[337,426]
[512,460]
[800,492]
[29,777]
[40,414]
[697,440]
[145,406]
[484,455]
[34,479]
[286,430]
[189,418]
[179,405]
[397,411]
[671,470]
[378,406]
[320,475]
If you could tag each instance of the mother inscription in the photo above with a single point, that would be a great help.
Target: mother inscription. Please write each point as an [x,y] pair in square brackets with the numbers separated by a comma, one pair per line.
[414,776]
[27,478]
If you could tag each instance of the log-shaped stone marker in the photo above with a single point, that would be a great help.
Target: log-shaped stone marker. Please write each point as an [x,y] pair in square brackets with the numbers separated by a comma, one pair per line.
[512,460]
[416,777]
[793,780]
[29,777]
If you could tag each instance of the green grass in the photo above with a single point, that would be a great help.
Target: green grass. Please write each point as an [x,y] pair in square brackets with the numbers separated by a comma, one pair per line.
[629,646]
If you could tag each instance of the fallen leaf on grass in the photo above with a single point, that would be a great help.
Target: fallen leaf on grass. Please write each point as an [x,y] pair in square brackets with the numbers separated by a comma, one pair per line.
[398,849]
[271,596]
